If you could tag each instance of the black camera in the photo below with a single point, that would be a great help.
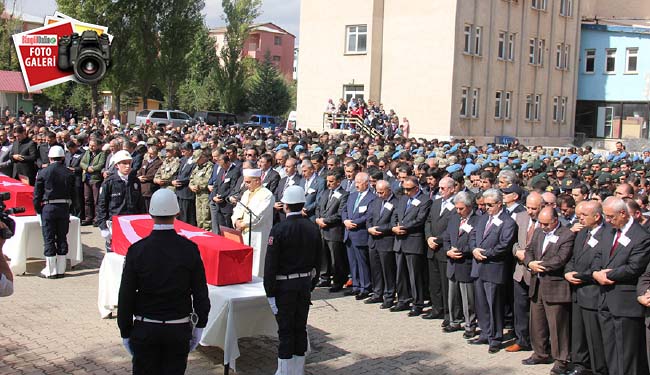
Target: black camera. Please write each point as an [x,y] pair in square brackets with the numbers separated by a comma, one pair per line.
[88,55]
[8,232]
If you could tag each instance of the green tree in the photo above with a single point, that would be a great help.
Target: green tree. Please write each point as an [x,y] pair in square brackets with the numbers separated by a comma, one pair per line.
[231,72]
[56,96]
[81,98]
[198,91]
[8,57]
[269,92]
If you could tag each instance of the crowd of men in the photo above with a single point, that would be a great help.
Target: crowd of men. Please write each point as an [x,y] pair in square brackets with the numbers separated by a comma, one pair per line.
[554,246]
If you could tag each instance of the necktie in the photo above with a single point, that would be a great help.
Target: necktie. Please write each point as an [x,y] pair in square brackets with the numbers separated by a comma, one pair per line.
[460,228]
[615,245]
[408,204]
[487,227]
[529,235]
[356,202]
[584,246]
[263,175]
[381,210]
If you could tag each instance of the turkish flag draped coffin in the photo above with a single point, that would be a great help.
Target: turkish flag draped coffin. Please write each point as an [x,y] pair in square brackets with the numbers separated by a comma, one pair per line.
[226,262]
[22,195]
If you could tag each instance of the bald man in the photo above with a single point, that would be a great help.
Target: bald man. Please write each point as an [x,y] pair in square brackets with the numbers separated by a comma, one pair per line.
[550,308]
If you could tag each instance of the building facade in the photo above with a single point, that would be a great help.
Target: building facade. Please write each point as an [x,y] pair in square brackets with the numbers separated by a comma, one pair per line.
[458,68]
[614,82]
[265,37]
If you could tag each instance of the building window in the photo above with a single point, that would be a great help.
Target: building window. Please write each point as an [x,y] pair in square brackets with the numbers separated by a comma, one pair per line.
[472,40]
[463,101]
[536,51]
[468,39]
[276,59]
[567,51]
[501,48]
[538,107]
[566,8]
[357,39]
[475,102]
[477,40]
[539,4]
[563,109]
[511,47]
[631,59]
[277,40]
[497,104]
[556,108]
[506,112]
[559,109]
[610,61]
[529,107]
[590,60]
[562,56]
[352,91]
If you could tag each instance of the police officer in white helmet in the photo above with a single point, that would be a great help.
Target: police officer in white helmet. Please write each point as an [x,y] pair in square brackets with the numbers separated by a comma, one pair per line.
[163,300]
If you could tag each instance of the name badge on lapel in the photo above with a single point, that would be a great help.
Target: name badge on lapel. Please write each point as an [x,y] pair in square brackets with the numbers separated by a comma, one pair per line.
[496,221]
[311,191]
[336,195]
[466,227]
[624,240]
[449,206]
[388,206]
[362,209]
[226,180]
[553,239]
[514,216]
[415,202]
[291,182]
[592,242]
[264,184]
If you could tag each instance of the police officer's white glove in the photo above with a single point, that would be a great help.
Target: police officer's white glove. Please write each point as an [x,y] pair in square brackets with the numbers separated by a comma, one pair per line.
[127,345]
[274,307]
[105,233]
[196,337]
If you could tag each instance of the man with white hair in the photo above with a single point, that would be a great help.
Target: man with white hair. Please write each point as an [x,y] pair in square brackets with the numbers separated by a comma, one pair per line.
[255,224]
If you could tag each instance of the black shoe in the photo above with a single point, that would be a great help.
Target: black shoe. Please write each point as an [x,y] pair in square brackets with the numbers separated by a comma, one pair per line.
[445,323]
[432,315]
[469,334]
[530,361]
[374,300]
[579,370]
[494,349]
[560,368]
[87,222]
[95,224]
[351,292]
[400,307]
[478,341]
[362,296]
[324,284]
[415,311]
[452,328]
[60,276]
[335,288]
[48,277]
[385,305]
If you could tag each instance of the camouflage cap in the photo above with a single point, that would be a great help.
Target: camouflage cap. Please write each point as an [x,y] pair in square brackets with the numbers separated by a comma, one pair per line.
[152,141]
[339,151]
[419,160]
[171,146]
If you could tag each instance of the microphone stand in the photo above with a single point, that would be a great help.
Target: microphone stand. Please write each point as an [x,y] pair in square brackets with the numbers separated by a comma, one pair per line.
[251,214]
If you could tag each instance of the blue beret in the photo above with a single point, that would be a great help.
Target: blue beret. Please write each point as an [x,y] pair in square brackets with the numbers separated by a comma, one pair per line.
[635,158]
[398,148]
[468,160]
[298,148]
[317,149]
[463,150]
[432,154]
[281,146]
[556,154]
[396,155]
[490,150]
[597,156]
[545,157]
[446,145]
[646,160]
[517,161]
[473,149]
[524,166]
[453,168]
[503,159]
[505,154]
[196,145]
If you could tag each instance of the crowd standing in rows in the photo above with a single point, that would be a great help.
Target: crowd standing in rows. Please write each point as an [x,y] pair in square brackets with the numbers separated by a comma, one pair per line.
[554,246]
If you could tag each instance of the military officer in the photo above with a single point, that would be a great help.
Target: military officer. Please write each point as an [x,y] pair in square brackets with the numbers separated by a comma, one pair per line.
[162,283]
[52,199]
[199,186]
[169,168]
[120,194]
[290,274]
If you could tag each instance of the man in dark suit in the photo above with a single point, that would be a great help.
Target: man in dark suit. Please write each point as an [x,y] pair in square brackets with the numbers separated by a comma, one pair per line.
[436,224]
[270,178]
[72,161]
[354,216]
[643,296]
[380,245]
[408,225]
[587,353]
[328,218]
[42,161]
[491,242]
[314,186]
[6,166]
[550,308]
[23,155]
[620,259]
[186,198]
[459,266]
[292,178]
[223,183]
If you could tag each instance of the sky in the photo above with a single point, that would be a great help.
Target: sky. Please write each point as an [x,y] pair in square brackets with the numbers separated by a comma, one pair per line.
[284,13]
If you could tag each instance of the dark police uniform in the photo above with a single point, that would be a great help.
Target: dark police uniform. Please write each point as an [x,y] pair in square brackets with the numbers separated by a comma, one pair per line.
[52,198]
[117,197]
[294,250]
[163,281]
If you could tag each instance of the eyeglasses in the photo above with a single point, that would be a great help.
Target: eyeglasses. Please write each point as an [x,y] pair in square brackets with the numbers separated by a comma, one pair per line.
[252,155]
[493,204]
[408,188]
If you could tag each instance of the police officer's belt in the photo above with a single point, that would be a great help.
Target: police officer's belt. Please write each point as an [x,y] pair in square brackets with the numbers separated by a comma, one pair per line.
[68,201]
[176,321]
[293,276]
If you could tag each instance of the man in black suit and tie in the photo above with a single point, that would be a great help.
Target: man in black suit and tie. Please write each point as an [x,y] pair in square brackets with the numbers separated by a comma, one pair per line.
[380,245]
[223,184]
[643,297]
[408,225]
[587,353]
[550,307]
[328,218]
[491,240]
[621,257]
[459,266]
[436,224]
[270,178]
[355,214]
[292,178]
[314,186]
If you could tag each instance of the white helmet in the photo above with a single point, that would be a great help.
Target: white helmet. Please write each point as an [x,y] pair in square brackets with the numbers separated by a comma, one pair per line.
[163,203]
[293,194]
[121,156]
[56,152]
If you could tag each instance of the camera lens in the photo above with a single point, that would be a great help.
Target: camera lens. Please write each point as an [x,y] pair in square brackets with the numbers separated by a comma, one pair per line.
[90,67]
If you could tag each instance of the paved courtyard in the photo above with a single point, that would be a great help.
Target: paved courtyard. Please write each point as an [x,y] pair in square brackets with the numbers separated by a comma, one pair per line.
[53,327]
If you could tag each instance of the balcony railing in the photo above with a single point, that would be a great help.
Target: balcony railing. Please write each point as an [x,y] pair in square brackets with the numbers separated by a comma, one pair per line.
[344,121]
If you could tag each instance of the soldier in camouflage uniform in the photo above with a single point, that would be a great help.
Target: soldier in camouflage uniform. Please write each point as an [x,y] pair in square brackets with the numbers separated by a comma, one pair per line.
[199,185]
[169,168]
